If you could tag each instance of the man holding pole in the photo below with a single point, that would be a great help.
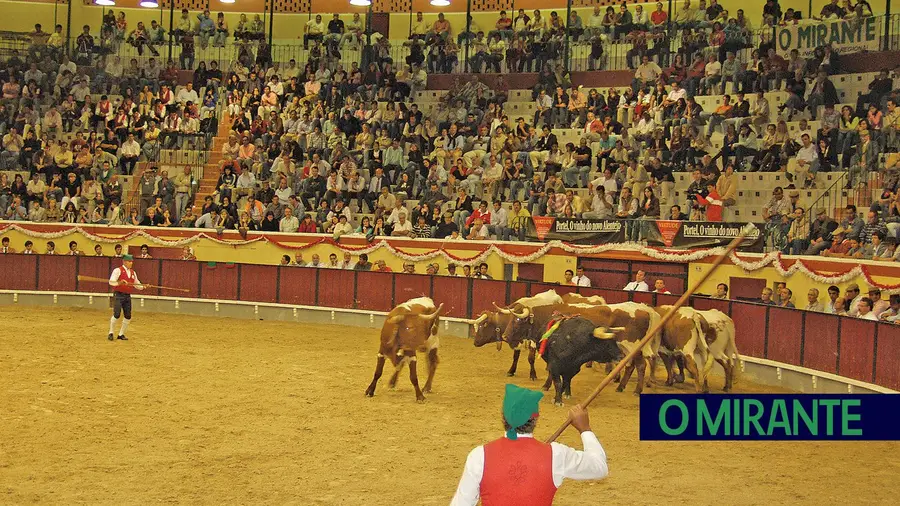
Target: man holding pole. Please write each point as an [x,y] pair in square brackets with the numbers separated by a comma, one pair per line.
[124,282]
[518,469]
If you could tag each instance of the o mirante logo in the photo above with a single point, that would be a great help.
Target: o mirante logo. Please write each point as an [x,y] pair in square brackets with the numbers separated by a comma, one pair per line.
[799,417]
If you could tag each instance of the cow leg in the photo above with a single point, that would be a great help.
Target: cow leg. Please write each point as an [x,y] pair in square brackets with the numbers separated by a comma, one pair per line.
[641,370]
[432,367]
[670,365]
[699,385]
[515,363]
[679,359]
[546,386]
[567,386]
[414,377]
[531,356]
[393,381]
[729,373]
[626,375]
[557,384]
[379,369]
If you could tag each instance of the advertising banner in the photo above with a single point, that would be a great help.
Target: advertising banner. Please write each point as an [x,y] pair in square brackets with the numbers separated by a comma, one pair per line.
[846,37]
[578,230]
[703,234]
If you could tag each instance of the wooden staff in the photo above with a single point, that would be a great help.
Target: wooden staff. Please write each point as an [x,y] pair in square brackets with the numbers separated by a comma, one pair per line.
[104,280]
[658,327]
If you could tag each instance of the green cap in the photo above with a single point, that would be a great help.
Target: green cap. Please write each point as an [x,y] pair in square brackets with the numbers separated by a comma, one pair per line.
[127,258]
[519,406]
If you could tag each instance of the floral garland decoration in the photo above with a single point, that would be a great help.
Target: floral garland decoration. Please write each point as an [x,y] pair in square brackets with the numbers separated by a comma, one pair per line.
[503,251]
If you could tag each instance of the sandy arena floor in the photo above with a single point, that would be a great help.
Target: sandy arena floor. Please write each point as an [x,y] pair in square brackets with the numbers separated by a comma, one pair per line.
[205,411]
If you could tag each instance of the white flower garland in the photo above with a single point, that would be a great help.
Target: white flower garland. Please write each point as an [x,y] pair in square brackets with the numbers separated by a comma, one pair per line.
[773,258]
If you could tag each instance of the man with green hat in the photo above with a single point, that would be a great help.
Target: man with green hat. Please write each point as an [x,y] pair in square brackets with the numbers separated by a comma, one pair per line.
[124,282]
[517,469]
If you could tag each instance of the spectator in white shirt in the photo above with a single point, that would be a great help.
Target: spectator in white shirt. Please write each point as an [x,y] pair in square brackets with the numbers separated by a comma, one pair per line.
[865,309]
[580,279]
[499,221]
[187,94]
[289,223]
[638,285]
[129,153]
[807,162]
[660,287]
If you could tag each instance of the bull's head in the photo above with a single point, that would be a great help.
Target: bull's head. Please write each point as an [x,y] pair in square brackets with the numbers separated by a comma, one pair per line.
[519,326]
[488,327]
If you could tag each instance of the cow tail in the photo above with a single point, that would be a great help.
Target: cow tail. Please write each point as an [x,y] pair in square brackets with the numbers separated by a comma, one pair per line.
[703,346]
[731,350]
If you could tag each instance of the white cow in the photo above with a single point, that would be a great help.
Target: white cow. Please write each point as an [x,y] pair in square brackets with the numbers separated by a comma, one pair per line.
[722,348]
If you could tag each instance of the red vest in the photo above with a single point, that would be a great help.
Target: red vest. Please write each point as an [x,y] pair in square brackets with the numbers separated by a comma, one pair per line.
[517,472]
[125,275]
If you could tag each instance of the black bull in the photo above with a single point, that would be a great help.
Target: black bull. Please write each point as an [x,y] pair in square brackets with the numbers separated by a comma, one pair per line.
[572,345]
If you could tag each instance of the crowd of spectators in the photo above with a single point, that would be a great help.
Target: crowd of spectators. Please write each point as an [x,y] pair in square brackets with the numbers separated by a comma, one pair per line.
[317,147]
[851,303]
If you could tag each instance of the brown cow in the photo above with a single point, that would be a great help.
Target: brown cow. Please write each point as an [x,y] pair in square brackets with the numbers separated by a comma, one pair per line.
[489,327]
[409,328]
[684,335]
[626,322]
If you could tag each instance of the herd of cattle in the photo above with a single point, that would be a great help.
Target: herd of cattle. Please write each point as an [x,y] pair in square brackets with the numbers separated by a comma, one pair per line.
[570,331]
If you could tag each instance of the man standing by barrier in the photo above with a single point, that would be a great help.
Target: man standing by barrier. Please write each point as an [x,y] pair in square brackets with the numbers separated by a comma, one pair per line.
[124,282]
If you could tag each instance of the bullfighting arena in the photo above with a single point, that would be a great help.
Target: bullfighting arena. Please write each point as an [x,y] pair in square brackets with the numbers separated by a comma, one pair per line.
[226,411]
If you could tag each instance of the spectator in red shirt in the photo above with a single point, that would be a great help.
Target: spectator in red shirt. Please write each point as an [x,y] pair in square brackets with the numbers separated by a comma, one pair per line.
[713,203]
[659,16]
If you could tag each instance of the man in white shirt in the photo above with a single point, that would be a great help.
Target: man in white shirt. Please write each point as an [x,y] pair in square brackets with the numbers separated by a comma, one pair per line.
[638,285]
[646,74]
[499,220]
[660,287]
[289,223]
[853,291]
[865,309]
[807,162]
[187,94]
[833,294]
[129,154]
[580,279]
[486,473]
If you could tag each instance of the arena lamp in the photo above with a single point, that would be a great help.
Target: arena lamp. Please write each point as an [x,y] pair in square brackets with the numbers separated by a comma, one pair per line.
[227,1]
[105,3]
[150,4]
[440,3]
[361,3]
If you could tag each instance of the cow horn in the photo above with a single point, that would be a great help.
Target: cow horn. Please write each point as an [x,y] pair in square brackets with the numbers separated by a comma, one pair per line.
[499,345]
[433,315]
[501,309]
[524,314]
[603,333]
[478,321]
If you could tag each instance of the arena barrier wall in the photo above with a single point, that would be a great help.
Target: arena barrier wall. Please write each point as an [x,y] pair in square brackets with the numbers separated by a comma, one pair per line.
[819,344]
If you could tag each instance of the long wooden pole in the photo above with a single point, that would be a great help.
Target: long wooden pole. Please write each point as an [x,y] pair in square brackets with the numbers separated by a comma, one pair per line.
[82,277]
[656,328]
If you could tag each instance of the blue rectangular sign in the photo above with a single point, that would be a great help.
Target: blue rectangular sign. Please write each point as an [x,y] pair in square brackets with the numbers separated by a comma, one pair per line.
[774,417]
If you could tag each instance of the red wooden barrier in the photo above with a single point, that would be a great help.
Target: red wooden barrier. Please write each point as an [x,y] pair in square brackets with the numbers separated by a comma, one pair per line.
[148,271]
[182,274]
[785,334]
[297,285]
[257,283]
[411,286]
[704,303]
[856,348]
[218,281]
[453,293]
[642,297]
[57,274]
[749,325]
[335,287]
[516,292]
[485,292]
[820,342]
[19,271]
[610,296]
[98,267]
[373,290]
[887,366]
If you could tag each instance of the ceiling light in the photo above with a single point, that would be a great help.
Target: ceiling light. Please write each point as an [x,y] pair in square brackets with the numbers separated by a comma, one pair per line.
[105,3]
[440,3]
[361,3]
[151,4]
[227,1]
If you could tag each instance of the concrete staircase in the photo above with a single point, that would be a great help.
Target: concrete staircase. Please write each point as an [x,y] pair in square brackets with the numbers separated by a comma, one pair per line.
[211,169]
